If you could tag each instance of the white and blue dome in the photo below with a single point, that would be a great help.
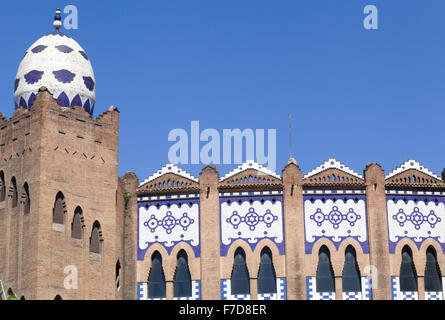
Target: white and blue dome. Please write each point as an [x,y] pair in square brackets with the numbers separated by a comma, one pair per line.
[59,63]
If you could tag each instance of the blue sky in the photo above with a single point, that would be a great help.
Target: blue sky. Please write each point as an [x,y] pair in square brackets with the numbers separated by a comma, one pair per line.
[356,95]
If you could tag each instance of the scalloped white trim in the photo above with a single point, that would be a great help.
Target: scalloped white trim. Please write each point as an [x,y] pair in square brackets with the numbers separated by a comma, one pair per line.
[332,164]
[250,164]
[411,164]
[169,168]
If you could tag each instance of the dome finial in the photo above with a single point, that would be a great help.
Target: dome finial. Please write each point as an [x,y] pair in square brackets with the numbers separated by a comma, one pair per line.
[57,20]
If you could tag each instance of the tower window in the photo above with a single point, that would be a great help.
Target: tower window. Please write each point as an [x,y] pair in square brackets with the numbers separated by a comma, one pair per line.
[77,224]
[325,274]
[13,191]
[182,280]
[96,239]
[267,279]
[59,209]
[2,186]
[240,281]
[26,199]
[156,278]
[118,270]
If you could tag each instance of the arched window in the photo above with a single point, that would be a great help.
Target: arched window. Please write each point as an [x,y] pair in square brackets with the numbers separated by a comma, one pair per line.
[408,276]
[267,279]
[78,224]
[96,238]
[2,186]
[156,278]
[13,191]
[325,274]
[240,281]
[351,273]
[182,280]
[118,270]
[26,199]
[59,209]
[58,297]
[433,277]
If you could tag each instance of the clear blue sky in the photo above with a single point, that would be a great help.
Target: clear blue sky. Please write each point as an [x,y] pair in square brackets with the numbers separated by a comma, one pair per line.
[357,95]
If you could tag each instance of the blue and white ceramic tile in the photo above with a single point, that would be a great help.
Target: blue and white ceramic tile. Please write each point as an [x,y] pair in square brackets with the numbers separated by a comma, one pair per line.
[252,220]
[331,217]
[168,223]
[416,220]
[60,64]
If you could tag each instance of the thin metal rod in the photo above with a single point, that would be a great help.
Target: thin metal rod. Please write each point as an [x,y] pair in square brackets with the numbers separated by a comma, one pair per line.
[290,139]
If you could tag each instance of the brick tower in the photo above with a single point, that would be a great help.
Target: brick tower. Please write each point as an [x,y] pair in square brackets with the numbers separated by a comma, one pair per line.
[60,235]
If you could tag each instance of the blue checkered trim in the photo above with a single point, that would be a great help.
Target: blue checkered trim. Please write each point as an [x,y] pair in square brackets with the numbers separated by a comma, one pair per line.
[431,295]
[223,290]
[352,295]
[226,295]
[408,295]
[366,288]
[401,295]
[394,288]
[281,293]
[267,296]
[312,294]
[141,293]
[282,289]
[308,289]
[196,292]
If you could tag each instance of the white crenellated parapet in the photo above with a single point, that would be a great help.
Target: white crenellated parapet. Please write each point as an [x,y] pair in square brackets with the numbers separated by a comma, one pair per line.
[170,168]
[250,164]
[411,164]
[333,164]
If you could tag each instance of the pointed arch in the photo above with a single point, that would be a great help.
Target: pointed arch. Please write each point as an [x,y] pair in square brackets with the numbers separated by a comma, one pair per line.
[433,276]
[351,281]
[2,186]
[408,275]
[240,280]
[267,278]
[77,226]
[156,277]
[13,192]
[325,274]
[59,209]
[26,198]
[118,271]
[182,280]
[96,239]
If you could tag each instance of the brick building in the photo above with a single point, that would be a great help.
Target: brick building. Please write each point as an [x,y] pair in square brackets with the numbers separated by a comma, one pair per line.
[251,234]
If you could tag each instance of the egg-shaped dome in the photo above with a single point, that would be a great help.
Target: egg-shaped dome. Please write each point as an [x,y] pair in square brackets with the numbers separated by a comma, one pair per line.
[59,63]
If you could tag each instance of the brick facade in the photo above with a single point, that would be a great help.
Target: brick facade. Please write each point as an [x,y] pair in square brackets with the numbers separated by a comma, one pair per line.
[298,263]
